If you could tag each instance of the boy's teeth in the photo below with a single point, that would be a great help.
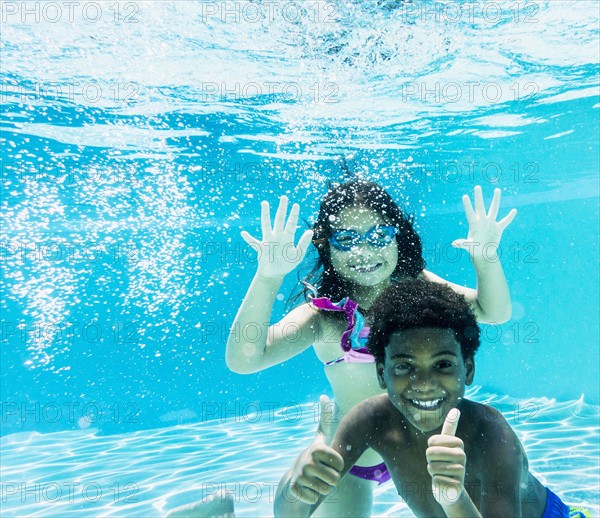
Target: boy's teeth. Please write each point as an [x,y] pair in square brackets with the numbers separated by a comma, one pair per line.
[426,404]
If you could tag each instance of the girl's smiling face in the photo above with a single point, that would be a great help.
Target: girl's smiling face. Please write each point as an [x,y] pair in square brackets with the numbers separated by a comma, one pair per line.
[364,264]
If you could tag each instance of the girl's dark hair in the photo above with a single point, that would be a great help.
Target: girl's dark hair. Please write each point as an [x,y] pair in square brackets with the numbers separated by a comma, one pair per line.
[371,195]
[415,304]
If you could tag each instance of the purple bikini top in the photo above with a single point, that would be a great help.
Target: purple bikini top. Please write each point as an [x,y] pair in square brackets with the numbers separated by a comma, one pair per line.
[354,338]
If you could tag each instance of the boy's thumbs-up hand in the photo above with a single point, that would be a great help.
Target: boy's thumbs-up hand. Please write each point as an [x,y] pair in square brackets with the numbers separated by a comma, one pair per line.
[446,462]
[327,418]
[317,469]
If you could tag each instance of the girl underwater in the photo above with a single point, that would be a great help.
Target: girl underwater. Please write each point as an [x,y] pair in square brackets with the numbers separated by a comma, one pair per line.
[364,243]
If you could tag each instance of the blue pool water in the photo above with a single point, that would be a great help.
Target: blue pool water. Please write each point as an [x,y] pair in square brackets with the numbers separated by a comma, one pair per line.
[139,138]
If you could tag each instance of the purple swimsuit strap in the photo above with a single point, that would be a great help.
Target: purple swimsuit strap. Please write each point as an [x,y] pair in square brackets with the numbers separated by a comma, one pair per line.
[377,473]
[348,306]
[361,355]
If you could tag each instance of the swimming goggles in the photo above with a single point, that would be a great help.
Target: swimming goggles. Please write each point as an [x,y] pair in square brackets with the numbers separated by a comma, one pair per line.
[379,236]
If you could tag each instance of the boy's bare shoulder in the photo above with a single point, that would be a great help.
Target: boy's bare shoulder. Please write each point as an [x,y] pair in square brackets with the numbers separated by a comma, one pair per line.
[484,425]
[379,404]
[374,409]
[481,417]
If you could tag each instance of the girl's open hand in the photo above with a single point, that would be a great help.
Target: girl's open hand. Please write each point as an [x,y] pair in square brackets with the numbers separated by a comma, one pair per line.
[484,231]
[277,255]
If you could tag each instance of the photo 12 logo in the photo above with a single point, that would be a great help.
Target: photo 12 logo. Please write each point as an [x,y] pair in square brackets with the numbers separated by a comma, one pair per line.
[450,92]
[268,11]
[68,12]
[87,93]
[68,412]
[319,93]
[470,11]
[88,332]
[55,251]
[54,492]
[251,492]
[266,412]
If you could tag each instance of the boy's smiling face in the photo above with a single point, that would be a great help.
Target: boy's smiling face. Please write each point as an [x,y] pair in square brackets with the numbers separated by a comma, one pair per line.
[425,375]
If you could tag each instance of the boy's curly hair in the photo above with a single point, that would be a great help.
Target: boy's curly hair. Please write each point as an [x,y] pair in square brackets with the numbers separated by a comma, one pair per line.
[417,303]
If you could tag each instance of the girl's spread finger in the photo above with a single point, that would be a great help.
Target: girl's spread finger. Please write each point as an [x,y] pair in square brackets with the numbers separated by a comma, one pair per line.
[280,215]
[495,205]
[469,213]
[265,218]
[479,205]
[292,222]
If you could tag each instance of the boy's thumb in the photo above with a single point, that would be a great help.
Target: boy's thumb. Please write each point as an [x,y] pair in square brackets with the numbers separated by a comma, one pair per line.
[327,416]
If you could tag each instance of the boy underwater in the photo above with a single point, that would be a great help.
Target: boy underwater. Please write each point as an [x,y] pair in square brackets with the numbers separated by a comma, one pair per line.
[447,456]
